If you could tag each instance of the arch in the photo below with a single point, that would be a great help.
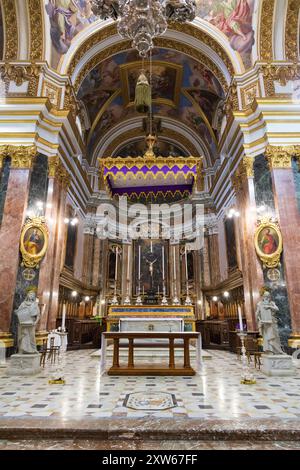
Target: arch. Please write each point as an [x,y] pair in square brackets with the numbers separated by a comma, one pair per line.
[125,131]
[101,35]
[265,30]
[292,30]
[11,32]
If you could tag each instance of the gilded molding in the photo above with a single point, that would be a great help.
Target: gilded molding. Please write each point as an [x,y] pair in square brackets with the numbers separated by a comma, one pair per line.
[242,173]
[278,73]
[22,157]
[232,100]
[266,30]
[20,74]
[291,32]
[58,171]
[36,29]
[11,31]
[280,157]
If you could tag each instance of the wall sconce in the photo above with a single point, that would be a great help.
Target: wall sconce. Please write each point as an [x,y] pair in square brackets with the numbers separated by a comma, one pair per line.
[215,298]
[226,294]
[233,213]
[87,298]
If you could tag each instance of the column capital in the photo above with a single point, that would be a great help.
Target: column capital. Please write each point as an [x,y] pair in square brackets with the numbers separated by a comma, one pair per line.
[58,171]
[22,156]
[280,157]
[244,171]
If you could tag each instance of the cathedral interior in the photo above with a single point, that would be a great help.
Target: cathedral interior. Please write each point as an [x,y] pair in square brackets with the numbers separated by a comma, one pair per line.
[149,223]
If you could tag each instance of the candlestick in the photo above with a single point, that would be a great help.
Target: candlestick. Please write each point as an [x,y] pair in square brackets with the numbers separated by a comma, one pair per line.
[163,262]
[128,262]
[175,298]
[240,318]
[174,259]
[139,262]
[63,320]
[116,267]
[151,247]
[186,267]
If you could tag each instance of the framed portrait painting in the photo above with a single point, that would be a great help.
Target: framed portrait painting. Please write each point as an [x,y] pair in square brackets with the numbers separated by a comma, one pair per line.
[268,243]
[33,242]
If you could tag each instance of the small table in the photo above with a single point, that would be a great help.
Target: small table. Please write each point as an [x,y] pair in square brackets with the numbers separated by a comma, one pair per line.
[151,369]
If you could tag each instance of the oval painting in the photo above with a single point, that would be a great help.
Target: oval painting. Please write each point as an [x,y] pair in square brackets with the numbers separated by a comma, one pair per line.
[34,241]
[268,241]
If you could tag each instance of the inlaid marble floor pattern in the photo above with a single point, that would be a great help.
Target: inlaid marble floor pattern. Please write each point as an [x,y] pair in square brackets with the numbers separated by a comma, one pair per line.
[216,393]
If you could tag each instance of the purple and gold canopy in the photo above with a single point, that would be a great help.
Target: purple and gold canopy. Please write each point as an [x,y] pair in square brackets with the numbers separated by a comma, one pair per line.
[150,175]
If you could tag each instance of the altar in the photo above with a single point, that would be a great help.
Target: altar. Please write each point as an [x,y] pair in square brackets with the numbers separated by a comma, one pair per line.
[166,318]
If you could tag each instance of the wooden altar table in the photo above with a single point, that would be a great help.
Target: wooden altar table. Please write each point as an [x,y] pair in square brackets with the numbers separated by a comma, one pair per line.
[175,340]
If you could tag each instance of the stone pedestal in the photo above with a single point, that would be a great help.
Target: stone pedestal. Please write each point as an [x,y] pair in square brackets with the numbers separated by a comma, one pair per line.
[24,364]
[277,365]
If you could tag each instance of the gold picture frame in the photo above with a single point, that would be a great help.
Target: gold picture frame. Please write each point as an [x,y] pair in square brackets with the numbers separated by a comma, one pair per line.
[268,243]
[34,242]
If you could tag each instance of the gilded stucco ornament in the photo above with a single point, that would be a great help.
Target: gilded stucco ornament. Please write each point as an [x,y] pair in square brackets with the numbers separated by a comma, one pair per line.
[21,74]
[292,31]
[268,242]
[36,29]
[266,30]
[243,172]
[21,156]
[280,157]
[11,31]
[58,171]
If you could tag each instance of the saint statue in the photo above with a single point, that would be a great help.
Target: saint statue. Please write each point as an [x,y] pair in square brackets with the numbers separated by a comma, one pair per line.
[28,315]
[267,323]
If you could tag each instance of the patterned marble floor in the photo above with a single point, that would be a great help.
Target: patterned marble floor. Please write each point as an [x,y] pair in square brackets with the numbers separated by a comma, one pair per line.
[216,393]
[175,445]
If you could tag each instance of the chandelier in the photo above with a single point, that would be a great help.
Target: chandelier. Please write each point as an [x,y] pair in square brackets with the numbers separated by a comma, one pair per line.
[143,20]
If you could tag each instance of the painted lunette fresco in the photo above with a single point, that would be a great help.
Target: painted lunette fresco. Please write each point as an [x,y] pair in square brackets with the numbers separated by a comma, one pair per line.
[233,17]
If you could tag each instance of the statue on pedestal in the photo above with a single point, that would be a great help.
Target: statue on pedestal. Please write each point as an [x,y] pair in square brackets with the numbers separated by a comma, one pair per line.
[267,323]
[28,315]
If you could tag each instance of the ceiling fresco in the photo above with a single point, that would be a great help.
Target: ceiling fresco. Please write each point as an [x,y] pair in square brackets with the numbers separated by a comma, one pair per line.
[233,17]
[183,89]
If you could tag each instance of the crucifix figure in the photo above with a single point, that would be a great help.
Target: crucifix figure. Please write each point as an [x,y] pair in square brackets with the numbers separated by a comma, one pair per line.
[151,269]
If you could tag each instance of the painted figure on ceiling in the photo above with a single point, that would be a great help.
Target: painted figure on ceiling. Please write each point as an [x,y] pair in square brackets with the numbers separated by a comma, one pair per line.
[67,18]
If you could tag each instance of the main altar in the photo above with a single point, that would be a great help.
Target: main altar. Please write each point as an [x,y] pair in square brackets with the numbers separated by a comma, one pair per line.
[154,318]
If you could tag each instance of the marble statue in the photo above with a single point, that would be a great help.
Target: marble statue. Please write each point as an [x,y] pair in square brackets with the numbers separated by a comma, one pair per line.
[28,315]
[267,323]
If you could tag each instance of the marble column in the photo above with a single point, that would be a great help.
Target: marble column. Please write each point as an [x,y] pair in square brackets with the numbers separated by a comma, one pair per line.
[88,253]
[14,212]
[243,183]
[285,198]
[206,263]
[51,266]
[213,246]
[96,262]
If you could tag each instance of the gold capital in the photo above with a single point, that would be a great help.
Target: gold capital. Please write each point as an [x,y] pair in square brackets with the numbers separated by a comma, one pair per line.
[58,171]
[242,173]
[22,156]
[280,157]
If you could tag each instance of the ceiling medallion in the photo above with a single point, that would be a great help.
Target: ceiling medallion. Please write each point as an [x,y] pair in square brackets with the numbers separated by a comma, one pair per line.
[143,20]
